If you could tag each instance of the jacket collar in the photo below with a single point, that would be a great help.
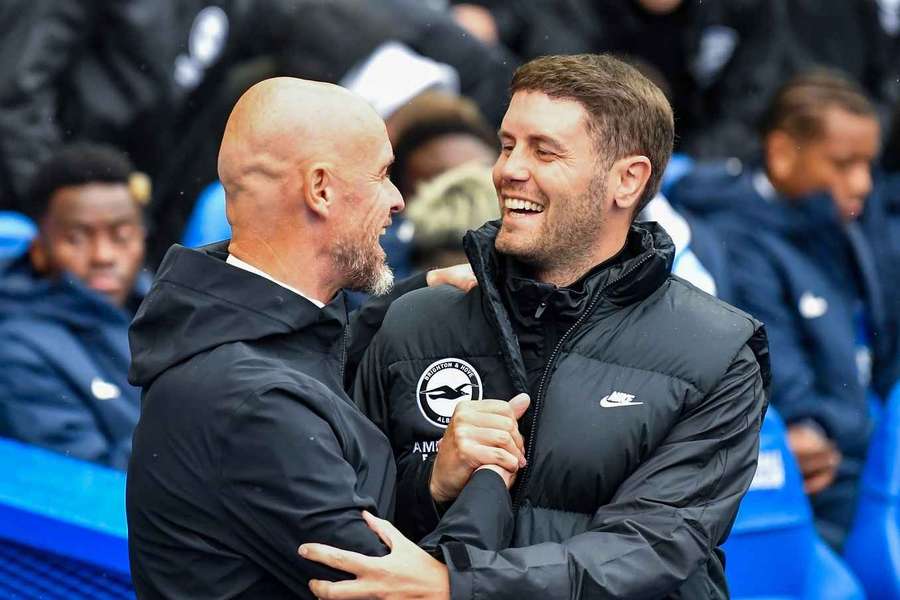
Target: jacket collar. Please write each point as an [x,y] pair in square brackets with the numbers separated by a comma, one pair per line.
[199,302]
[639,270]
[64,299]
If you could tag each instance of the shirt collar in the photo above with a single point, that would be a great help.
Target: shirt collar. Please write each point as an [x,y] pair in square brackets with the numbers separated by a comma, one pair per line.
[234,261]
[763,186]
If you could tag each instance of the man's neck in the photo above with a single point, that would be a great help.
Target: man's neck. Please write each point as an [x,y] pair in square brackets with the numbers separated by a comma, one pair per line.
[270,265]
[564,275]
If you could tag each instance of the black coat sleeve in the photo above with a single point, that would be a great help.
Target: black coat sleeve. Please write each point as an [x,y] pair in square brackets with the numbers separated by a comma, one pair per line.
[417,513]
[284,481]
[662,524]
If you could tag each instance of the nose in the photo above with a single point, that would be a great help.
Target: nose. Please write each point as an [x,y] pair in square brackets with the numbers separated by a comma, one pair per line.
[397,203]
[860,182]
[511,167]
[103,250]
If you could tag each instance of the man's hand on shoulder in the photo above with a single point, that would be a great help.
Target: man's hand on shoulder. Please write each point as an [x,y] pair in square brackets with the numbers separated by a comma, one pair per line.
[407,572]
[484,432]
[459,276]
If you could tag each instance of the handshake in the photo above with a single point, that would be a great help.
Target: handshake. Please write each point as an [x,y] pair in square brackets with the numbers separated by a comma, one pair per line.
[482,434]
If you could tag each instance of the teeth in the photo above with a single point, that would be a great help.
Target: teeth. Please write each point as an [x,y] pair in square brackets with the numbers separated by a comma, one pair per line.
[517,204]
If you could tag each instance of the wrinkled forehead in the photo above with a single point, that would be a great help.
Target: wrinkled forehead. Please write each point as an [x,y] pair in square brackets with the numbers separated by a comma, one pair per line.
[535,113]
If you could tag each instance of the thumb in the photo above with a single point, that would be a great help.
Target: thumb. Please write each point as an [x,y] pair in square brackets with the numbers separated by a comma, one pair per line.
[388,534]
[519,404]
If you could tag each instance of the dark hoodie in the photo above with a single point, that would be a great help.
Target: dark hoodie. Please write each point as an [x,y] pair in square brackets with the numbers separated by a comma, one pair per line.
[248,446]
[65,358]
[816,284]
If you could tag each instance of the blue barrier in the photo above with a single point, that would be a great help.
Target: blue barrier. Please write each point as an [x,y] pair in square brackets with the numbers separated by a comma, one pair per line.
[16,232]
[207,223]
[63,506]
[873,546]
[773,550]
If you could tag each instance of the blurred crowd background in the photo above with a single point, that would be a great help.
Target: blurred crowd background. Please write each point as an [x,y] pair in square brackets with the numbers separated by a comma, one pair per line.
[783,196]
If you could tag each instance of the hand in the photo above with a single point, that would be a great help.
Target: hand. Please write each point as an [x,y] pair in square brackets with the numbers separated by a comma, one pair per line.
[482,432]
[816,455]
[407,572]
[459,276]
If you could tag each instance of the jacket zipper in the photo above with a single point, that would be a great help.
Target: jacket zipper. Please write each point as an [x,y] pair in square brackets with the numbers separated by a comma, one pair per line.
[539,400]
[344,355]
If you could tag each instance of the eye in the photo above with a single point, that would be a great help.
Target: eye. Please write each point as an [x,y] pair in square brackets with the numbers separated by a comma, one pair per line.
[507,148]
[75,237]
[545,154]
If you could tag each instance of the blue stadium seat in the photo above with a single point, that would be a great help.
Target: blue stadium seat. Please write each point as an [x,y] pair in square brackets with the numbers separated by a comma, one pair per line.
[679,166]
[873,546]
[63,532]
[774,550]
[16,231]
[207,223]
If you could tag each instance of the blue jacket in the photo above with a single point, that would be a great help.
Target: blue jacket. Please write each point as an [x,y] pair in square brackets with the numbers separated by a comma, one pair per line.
[64,356]
[815,285]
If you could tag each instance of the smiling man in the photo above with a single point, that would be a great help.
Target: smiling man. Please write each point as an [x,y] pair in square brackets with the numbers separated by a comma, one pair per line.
[647,394]
[247,444]
[65,308]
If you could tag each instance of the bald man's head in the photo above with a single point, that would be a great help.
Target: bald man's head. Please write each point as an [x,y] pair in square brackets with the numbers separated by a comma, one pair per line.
[284,121]
[304,166]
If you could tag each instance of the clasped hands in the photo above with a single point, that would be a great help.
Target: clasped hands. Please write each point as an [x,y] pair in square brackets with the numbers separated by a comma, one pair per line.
[481,435]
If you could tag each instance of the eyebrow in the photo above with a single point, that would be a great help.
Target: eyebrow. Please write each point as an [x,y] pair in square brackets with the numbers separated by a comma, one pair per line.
[536,138]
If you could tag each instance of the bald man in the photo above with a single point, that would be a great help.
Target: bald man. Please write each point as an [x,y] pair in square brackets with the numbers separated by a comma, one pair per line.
[247,445]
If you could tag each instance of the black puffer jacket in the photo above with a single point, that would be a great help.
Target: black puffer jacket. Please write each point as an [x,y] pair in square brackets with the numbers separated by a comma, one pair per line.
[641,438]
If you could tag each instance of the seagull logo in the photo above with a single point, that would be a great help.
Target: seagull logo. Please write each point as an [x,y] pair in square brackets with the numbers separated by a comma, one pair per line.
[444,384]
[445,392]
[617,399]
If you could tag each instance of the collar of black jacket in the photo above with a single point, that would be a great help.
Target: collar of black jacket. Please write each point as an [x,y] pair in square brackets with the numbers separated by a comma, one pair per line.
[639,270]
[198,302]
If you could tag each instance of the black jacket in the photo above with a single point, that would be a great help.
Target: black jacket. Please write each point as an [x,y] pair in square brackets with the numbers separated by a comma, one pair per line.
[641,438]
[247,445]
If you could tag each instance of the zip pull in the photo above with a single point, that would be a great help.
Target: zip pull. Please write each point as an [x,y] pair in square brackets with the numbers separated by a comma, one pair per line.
[544,303]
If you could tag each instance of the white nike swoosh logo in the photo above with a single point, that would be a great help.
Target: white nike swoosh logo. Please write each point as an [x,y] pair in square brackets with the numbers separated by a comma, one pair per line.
[627,400]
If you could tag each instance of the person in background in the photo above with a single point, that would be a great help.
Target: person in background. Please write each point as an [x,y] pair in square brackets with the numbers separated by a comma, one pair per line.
[723,58]
[444,209]
[802,263]
[156,78]
[65,307]
[434,133]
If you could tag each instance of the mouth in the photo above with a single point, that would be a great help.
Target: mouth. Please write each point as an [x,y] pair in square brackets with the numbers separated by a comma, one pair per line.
[107,284]
[519,207]
[385,228]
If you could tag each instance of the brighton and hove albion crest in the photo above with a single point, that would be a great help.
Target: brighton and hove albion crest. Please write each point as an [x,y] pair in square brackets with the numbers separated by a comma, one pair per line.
[443,384]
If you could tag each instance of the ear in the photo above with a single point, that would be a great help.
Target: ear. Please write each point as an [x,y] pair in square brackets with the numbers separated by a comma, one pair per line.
[318,189]
[781,154]
[629,178]
[40,262]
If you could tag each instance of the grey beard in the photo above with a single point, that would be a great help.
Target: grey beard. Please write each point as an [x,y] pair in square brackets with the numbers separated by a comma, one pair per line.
[362,269]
